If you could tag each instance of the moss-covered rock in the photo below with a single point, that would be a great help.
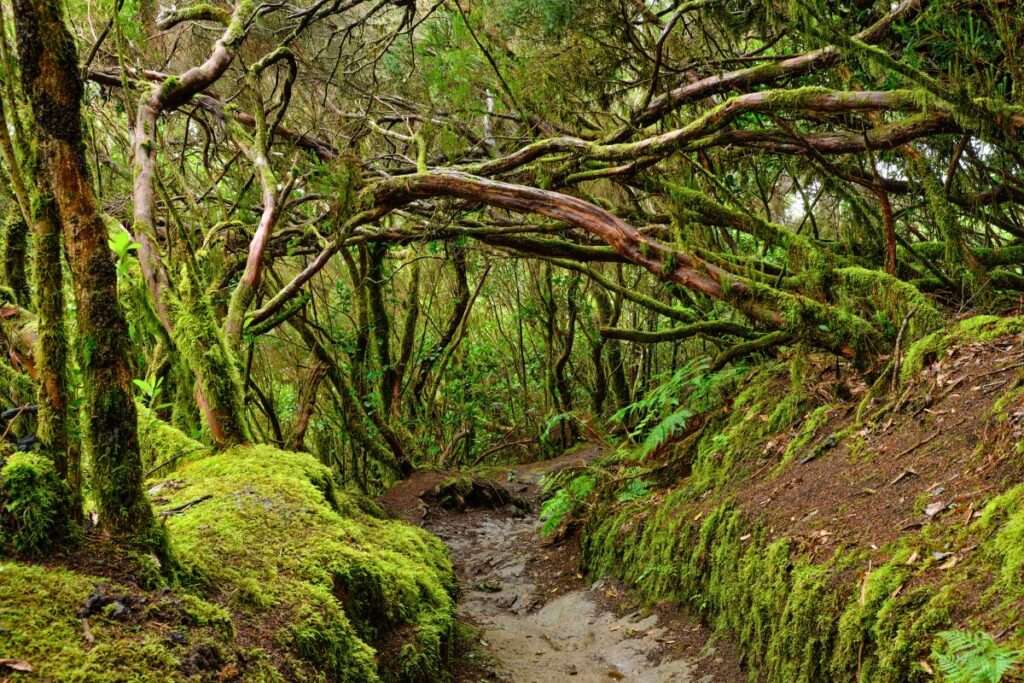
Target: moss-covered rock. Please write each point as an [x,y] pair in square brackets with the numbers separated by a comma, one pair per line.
[267,534]
[45,620]
[281,577]
[164,448]
[35,506]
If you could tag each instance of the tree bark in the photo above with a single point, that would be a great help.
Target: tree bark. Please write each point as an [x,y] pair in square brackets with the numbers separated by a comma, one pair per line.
[15,258]
[381,322]
[307,404]
[49,70]
[461,304]
[412,315]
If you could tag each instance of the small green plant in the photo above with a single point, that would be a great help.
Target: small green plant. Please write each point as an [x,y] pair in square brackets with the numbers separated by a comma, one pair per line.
[149,390]
[636,489]
[566,501]
[973,657]
[663,432]
[665,410]
[122,244]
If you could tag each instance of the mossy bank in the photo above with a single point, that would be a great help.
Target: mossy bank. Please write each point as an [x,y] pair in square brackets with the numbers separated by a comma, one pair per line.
[831,546]
[280,576]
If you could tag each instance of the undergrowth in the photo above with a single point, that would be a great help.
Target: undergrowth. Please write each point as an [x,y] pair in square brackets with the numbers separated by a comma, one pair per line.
[796,618]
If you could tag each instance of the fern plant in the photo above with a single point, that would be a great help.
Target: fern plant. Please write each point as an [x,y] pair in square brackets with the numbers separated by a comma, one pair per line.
[664,411]
[566,501]
[663,432]
[973,657]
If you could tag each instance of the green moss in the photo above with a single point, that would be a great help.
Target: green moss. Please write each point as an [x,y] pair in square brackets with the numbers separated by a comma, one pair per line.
[203,613]
[795,620]
[798,619]
[797,448]
[266,545]
[347,582]
[1004,515]
[201,343]
[163,447]
[170,84]
[981,328]
[769,404]
[35,506]
[39,623]
[886,301]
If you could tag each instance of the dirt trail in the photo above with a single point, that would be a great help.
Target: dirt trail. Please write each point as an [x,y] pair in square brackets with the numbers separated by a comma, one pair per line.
[539,620]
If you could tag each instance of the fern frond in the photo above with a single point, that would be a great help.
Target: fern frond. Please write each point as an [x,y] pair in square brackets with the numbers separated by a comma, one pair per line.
[973,657]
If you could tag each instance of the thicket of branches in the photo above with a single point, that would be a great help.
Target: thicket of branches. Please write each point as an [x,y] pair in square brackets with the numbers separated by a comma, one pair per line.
[401,233]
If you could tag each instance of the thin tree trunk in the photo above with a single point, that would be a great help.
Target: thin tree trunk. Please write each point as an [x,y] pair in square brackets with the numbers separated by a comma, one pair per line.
[381,322]
[15,257]
[616,364]
[49,68]
[51,341]
[408,337]
[307,405]
[461,303]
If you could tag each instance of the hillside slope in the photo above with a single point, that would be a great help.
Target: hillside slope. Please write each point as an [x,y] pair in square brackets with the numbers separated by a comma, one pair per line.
[833,529]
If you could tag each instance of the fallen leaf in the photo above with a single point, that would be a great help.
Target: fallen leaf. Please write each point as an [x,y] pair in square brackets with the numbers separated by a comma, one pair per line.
[913,558]
[17,665]
[927,667]
[935,508]
[950,563]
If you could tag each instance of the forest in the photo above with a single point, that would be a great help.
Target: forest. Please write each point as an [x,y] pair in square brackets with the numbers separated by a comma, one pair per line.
[519,340]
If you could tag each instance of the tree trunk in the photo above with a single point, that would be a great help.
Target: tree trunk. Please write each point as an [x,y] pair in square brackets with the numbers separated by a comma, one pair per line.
[610,316]
[381,322]
[15,257]
[408,338]
[51,342]
[49,68]
[461,304]
[307,404]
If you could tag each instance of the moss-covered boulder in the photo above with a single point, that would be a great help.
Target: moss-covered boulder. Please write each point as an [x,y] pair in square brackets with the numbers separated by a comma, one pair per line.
[281,577]
[76,628]
[35,505]
[164,448]
[345,594]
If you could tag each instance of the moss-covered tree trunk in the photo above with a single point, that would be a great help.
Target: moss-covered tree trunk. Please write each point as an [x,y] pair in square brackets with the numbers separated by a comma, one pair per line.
[15,257]
[459,310]
[381,322]
[51,341]
[412,316]
[609,317]
[49,68]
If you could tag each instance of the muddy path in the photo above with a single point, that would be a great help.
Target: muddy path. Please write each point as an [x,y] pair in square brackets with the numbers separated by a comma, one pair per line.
[538,619]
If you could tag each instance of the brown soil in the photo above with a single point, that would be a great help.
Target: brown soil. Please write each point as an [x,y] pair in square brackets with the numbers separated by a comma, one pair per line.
[935,456]
[536,617]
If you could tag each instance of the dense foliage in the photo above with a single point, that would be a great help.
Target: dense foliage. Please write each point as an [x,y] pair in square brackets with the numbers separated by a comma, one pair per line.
[398,235]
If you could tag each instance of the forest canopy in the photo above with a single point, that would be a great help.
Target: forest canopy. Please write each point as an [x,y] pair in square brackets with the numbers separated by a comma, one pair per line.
[265,267]
[402,234]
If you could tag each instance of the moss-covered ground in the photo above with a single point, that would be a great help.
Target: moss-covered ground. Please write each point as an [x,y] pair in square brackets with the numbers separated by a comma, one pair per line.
[803,533]
[280,577]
